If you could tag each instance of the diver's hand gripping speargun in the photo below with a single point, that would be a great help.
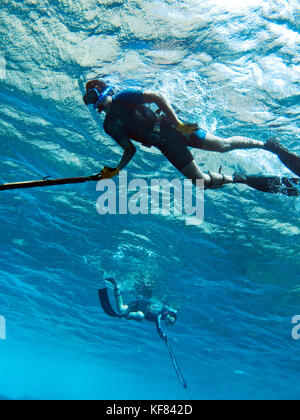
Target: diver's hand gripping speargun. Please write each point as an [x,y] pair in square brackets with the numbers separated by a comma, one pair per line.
[187,128]
[109,173]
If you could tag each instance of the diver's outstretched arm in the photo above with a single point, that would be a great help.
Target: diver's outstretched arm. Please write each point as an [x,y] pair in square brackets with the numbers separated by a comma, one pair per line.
[164,105]
[162,334]
[129,151]
[161,101]
[126,158]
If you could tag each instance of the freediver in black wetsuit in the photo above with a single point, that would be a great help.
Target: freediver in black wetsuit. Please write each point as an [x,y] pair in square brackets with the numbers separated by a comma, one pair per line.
[128,117]
[139,310]
[142,309]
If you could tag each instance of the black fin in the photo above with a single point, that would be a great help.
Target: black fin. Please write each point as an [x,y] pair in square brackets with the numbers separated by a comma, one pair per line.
[105,303]
[270,184]
[290,160]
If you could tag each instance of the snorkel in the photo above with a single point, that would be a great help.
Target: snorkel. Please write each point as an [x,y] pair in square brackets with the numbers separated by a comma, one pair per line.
[102,96]
[96,98]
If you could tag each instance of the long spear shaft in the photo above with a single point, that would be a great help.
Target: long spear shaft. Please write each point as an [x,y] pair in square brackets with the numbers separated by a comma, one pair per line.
[49,182]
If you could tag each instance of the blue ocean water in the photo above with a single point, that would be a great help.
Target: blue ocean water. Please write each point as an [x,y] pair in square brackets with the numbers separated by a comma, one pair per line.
[232,67]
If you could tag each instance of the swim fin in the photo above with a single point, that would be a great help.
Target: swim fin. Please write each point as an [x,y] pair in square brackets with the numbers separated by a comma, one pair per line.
[290,160]
[106,305]
[270,184]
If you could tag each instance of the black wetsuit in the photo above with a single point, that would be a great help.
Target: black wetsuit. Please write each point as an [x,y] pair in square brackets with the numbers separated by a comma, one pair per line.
[153,312]
[129,117]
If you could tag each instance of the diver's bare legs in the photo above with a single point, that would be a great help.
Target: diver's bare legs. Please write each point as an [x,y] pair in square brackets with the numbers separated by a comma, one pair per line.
[211,180]
[119,300]
[218,144]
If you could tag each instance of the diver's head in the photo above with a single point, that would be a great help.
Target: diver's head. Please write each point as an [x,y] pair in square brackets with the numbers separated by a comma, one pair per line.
[98,94]
[171,317]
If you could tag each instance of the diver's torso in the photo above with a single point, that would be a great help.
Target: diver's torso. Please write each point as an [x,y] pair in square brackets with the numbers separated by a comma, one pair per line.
[150,310]
[133,121]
